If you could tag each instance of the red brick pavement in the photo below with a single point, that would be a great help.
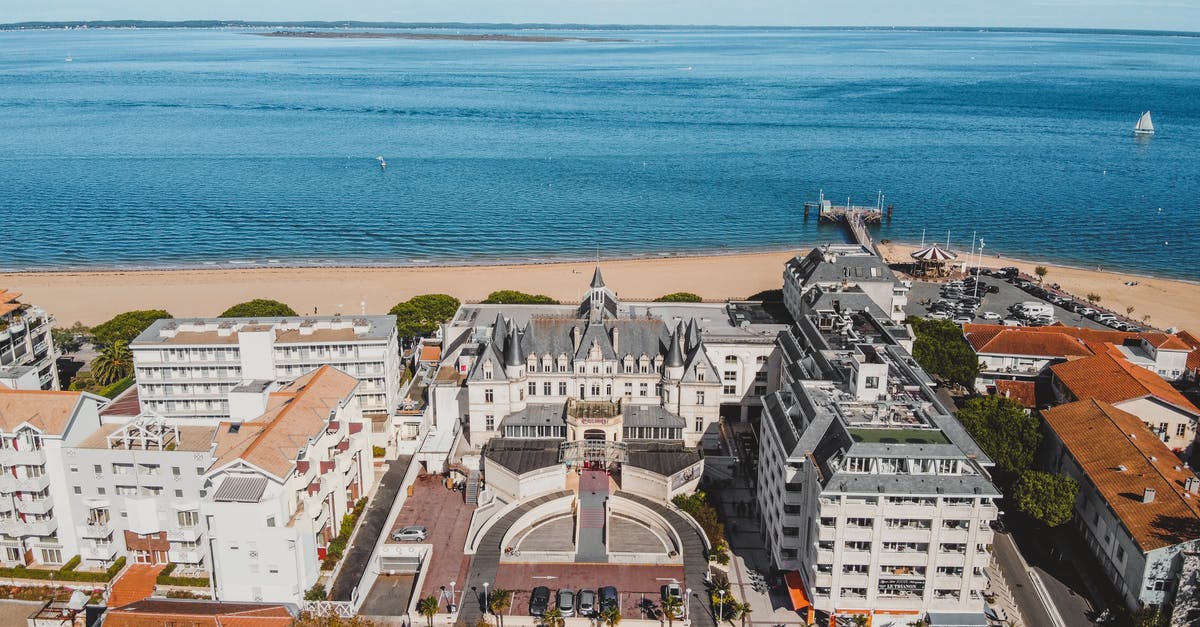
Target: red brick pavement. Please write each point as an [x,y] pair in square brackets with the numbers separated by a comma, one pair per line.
[448,519]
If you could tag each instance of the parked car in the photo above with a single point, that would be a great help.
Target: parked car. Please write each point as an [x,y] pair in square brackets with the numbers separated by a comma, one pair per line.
[539,600]
[990,315]
[566,602]
[587,602]
[609,598]
[413,533]
[673,591]
[963,319]
[938,315]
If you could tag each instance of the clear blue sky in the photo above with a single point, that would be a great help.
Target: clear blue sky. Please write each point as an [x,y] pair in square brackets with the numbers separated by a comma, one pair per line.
[1134,14]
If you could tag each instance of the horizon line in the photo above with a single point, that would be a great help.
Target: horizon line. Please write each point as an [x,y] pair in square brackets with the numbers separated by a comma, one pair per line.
[219,23]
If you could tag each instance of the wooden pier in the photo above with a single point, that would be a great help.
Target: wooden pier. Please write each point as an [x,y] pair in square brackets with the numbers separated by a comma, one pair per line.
[854,218]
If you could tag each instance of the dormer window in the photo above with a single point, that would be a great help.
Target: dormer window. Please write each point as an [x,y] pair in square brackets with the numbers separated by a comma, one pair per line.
[487,371]
[699,374]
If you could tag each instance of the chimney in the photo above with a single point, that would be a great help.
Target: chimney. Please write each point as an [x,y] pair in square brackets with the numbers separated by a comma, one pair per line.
[615,337]
[1192,485]
[1148,495]
[576,337]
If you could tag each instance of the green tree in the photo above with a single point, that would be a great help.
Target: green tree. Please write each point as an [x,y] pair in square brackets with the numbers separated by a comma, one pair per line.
[679,297]
[553,618]
[1002,428]
[499,602]
[861,620]
[1041,272]
[513,297]
[421,315]
[1046,497]
[741,611]
[723,605]
[942,350]
[259,308]
[428,607]
[115,362]
[126,326]
[611,616]
[315,593]
[69,339]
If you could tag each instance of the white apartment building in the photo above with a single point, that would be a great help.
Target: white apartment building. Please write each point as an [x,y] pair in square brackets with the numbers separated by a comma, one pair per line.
[28,359]
[869,489]
[280,484]
[696,361]
[840,267]
[36,430]
[185,368]
[1138,508]
[136,490]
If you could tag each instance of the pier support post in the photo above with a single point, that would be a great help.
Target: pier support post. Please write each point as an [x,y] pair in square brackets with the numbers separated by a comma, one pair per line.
[889,214]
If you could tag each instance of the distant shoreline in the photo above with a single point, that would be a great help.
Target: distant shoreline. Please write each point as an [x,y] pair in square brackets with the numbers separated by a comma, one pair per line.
[314,34]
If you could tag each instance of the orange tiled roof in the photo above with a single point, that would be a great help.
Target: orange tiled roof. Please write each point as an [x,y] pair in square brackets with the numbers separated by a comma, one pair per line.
[1189,338]
[1101,439]
[295,413]
[8,297]
[48,411]
[1018,341]
[1112,379]
[1024,392]
[163,612]
[1091,336]
[431,353]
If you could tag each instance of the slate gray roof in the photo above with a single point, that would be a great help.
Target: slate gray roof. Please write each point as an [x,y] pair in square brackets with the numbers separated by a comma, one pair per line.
[674,355]
[552,336]
[847,263]
[597,279]
[513,356]
[538,414]
[487,354]
[521,456]
[912,484]
[651,416]
[661,458]
[698,360]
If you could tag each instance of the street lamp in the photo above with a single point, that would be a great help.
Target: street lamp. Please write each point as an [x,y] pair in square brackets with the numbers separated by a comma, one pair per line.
[687,599]
[487,600]
[453,603]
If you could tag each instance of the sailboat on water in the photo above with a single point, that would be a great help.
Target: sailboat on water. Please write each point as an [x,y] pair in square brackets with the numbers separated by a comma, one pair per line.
[1144,125]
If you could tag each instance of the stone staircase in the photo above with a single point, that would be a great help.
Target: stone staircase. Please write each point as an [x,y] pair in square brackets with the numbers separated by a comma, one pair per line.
[472,493]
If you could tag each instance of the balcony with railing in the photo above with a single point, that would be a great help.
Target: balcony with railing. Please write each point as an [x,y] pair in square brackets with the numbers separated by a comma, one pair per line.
[19,528]
[185,534]
[185,555]
[95,529]
[97,551]
[23,457]
[9,483]
[41,505]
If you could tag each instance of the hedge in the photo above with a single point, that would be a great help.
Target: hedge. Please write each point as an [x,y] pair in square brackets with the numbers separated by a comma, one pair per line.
[337,546]
[165,579]
[116,387]
[64,574]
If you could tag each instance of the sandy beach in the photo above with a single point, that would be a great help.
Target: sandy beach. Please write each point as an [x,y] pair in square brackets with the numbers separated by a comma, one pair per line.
[92,297]
[1169,303]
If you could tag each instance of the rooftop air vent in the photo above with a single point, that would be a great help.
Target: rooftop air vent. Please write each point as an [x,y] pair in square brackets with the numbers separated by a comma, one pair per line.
[1148,495]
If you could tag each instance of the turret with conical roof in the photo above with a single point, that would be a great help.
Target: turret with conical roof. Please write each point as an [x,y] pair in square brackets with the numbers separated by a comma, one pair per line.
[514,359]
[597,279]
[673,365]
[693,336]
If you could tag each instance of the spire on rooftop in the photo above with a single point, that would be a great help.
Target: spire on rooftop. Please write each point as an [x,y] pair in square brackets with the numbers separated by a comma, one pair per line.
[597,278]
[674,354]
[512,350]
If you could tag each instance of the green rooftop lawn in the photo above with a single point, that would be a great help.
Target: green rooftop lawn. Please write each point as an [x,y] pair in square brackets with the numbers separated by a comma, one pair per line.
[898,436]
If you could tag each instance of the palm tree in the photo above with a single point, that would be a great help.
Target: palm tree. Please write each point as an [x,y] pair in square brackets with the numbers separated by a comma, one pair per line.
[499,603]
[670,606]
[743,610]
[1041,272]
[861,620]
[427,607]
[553,618]
[611,615]
[722,603]
[113,363]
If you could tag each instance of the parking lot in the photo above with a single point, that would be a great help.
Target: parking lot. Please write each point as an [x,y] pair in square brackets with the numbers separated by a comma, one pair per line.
[635,583]
[448,519]
[924,293]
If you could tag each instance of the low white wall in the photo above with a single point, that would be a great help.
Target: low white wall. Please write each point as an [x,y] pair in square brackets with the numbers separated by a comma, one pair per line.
[557,507]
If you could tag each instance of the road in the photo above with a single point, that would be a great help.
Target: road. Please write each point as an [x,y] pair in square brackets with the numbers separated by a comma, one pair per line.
[1022,586]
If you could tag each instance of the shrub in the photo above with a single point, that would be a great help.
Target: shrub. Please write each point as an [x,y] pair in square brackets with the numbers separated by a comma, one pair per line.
[71,564]
[64,573]
[421,315]
[126,326]
[112,390]
[315,593]
[378,451]
[337,546]
[165,579]
[513,297]
[697,505]
[259,308]
[678,297]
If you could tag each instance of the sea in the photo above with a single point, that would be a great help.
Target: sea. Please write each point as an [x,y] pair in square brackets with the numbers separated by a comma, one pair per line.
[221,147]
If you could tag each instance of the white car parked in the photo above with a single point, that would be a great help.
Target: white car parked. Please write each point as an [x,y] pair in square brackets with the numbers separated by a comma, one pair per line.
[990,315]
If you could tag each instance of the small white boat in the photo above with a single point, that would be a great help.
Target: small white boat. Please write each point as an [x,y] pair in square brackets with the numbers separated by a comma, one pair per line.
[382,163]
[68,59]
[1144,125]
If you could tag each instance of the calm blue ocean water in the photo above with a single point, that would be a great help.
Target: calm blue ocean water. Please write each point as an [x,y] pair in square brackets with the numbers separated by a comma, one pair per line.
[158,148]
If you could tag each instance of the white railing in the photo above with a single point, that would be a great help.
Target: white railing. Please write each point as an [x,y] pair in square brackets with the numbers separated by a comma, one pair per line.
[35,506]
[95,530]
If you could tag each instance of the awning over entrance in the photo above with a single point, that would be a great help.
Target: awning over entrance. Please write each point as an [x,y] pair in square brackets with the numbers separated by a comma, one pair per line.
[957,619]
[800,599]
